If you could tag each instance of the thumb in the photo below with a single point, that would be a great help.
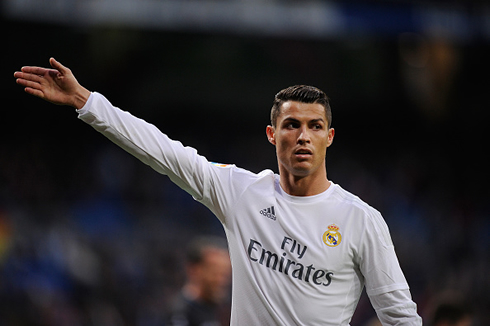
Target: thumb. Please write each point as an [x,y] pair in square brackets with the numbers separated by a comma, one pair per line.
[58,66]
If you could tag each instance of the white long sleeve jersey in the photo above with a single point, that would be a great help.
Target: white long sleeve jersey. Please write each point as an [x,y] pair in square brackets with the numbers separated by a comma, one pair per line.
[296,260]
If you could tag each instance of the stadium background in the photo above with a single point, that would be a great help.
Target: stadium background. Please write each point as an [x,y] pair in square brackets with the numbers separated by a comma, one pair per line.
[90,236]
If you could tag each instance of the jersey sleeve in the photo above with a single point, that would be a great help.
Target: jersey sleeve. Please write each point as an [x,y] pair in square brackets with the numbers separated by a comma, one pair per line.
[205,181]
[396,308]
[377,258]
[385,283]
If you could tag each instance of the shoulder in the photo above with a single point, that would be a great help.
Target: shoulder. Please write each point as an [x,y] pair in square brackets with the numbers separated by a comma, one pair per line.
[235,180]
[240,174]
[348,199]
[367,218]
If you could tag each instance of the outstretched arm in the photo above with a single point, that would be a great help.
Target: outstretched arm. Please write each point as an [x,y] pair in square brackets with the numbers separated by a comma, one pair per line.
[57,85]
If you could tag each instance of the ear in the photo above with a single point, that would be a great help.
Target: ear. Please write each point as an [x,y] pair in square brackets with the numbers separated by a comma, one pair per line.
[271,134]
[331,134]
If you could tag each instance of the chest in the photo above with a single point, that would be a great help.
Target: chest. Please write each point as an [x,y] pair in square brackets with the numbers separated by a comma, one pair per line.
[318,234]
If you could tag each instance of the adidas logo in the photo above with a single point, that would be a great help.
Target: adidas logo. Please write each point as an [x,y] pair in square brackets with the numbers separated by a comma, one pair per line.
[269,212]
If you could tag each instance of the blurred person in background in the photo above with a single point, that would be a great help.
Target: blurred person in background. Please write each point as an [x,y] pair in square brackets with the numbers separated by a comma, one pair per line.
[203,300]
[374,321]
[451,313]
[302,247]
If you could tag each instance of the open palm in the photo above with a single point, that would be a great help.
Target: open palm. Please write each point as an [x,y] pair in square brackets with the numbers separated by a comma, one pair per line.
[57,85]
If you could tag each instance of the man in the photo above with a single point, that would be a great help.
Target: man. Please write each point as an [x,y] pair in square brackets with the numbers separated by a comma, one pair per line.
[302,248]
[451,314]
[202,299]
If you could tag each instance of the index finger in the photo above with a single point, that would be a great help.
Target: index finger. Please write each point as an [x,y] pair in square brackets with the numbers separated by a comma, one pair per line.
[28,76]
[35,70]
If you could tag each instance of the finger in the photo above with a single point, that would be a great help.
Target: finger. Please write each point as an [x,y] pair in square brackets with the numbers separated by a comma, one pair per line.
[28,76]
[34,70]
[28,83]
[34,92]
[58,66]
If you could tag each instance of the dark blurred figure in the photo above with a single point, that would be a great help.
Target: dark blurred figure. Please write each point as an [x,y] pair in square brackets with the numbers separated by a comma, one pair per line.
[451,314]
[204,299]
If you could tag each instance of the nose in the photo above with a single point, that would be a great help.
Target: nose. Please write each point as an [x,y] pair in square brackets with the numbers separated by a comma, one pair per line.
[304,135]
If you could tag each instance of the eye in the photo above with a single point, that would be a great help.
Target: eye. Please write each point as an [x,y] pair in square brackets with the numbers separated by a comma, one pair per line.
[292,125]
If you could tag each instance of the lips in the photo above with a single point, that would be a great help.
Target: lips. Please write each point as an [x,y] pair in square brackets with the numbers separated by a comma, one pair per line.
[303,152]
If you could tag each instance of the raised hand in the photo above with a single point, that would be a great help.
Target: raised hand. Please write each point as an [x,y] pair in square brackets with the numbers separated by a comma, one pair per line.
[57,85]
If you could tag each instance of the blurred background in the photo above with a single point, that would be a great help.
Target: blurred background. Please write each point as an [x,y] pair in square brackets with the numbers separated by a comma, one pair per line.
[91,236]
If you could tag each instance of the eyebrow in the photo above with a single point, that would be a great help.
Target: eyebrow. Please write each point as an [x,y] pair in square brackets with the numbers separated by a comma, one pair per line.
[289,119]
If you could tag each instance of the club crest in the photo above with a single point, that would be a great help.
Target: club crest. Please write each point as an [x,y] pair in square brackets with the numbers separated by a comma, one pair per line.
[332,236]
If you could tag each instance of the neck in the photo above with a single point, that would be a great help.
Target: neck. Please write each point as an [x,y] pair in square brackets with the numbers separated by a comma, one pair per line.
[304,186]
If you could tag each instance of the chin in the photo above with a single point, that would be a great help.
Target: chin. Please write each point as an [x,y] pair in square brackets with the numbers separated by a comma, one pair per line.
[301,172]
[298,169]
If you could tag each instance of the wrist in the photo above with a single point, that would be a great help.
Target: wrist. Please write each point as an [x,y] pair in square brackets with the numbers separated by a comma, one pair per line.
[80,98]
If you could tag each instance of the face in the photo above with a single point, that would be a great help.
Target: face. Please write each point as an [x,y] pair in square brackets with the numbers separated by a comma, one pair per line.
[301,137]
[215,275]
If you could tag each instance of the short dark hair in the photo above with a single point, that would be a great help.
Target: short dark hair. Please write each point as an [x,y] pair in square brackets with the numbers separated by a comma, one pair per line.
[303,94]
[195,249]
[450,312]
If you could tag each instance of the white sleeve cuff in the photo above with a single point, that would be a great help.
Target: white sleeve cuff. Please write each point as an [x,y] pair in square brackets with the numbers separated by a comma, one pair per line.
[87,105]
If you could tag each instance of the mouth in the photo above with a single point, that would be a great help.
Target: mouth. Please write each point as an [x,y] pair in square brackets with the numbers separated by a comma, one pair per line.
[303,153]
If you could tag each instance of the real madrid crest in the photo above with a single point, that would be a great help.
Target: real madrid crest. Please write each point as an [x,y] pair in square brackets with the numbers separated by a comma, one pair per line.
[332,236]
